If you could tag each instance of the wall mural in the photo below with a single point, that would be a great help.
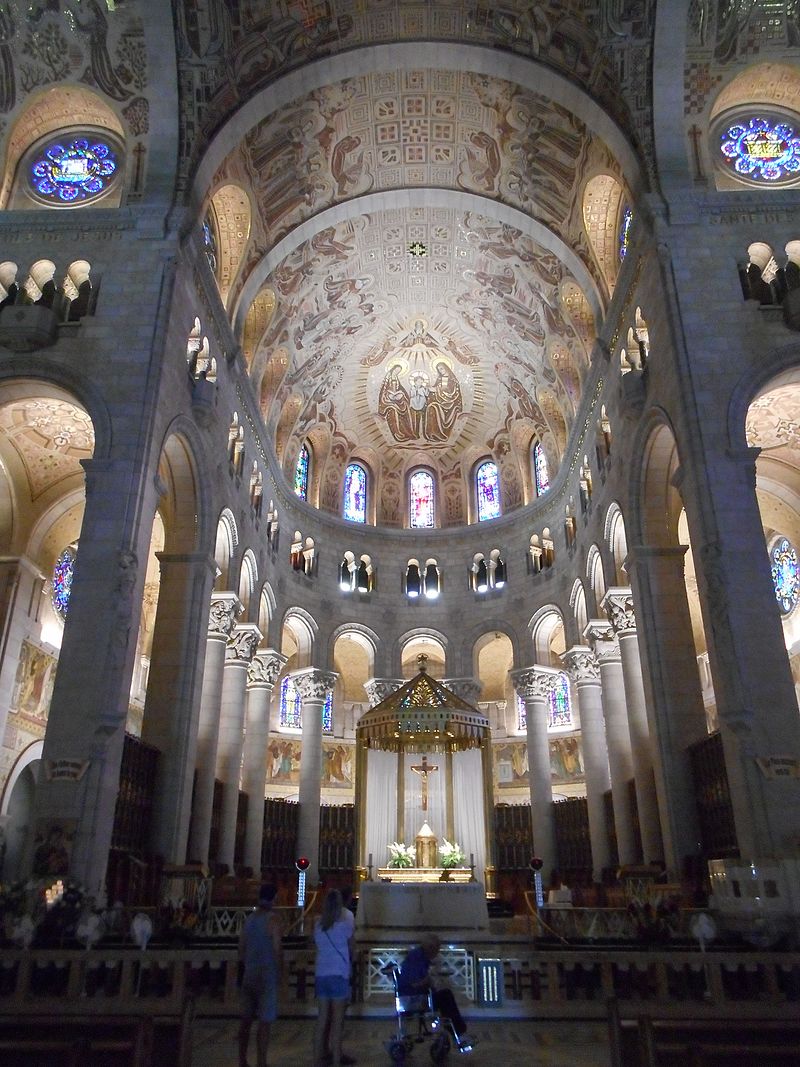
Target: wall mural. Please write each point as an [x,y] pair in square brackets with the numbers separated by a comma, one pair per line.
[511,762]
[33,684]
[283,763]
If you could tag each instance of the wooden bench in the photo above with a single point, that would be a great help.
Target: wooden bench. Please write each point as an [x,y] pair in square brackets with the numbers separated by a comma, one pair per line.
[647,1041]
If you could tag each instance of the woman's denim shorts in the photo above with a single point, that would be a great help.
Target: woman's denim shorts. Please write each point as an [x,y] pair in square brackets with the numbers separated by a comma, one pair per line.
[332,987]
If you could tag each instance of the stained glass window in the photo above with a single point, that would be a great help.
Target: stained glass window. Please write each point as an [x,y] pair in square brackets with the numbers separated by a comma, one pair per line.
[301,473]
[487,483]
[291,705]
[73,172]
[761,150]
[540,469]
[625,232]
[785,574]
[355,493]
[327,714]
[210,242]
[560,706]
[421,504]
[62,581]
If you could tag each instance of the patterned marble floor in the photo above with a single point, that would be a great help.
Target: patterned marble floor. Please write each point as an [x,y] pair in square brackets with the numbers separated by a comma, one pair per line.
[505,1042]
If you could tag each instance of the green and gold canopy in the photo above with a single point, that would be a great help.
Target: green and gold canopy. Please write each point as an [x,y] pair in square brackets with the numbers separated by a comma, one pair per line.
[422,716]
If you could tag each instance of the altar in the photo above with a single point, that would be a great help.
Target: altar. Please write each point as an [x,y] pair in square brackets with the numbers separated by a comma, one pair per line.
[419,875]
[422,906]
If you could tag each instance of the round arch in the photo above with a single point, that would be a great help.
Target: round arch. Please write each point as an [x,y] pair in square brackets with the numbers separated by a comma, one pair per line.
[781,366]
[543,627]
[304,631]
[421,637]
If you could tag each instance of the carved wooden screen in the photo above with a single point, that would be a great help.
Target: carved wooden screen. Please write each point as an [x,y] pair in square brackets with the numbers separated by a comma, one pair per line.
[713,798]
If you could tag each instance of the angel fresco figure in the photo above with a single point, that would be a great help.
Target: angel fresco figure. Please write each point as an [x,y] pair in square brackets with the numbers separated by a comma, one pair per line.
[394,405]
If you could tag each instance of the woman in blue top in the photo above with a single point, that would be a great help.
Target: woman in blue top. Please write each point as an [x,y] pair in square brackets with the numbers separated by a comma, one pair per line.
[333,938]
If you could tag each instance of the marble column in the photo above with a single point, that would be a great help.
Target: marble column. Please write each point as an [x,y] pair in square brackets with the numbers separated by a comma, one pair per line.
[261,677]
[618,603]
[221,620]
[242,646]
[172,705]
[600,635]
[584,670]
[313,685]
[534,685]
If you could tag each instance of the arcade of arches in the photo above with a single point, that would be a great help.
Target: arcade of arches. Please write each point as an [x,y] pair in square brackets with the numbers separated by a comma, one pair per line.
[336,335]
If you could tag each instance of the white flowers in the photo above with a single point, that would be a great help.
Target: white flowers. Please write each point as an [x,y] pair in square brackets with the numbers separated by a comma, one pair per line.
[401,855]
[451,854]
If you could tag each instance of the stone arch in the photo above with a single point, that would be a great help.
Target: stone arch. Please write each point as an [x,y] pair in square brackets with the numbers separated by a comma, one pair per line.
[656,503]
[616,539]
[303,629]
[257,321]
[17,806]
[426,640]
[545,627]
[777,367]
[596,576]
[232,215]
[248,581]
[603,201]
[469,647]
[355,666]
[266,612]
[225,547]
[183,504]
[577,603]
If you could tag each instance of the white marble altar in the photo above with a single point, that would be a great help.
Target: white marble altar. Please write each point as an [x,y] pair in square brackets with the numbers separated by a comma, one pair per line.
[426,906]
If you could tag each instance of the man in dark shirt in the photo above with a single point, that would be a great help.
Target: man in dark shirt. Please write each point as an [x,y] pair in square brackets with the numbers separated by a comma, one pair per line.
[415,978]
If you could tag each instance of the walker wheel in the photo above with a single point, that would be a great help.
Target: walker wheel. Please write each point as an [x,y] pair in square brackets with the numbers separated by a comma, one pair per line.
[397,1052]
[440,1047]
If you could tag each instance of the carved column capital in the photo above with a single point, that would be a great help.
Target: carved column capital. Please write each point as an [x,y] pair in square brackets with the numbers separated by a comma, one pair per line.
[378,689]
[222,615]
[600,635]
[264,670]
[314,684]
[243,644]
[618,603]
[582,666]
[468,689]
[533,683]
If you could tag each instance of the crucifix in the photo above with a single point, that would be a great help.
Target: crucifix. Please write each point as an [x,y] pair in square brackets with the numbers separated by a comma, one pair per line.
[423,770]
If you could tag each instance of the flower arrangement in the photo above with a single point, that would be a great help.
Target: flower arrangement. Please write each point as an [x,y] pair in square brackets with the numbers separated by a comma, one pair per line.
[451,854]
[401,855]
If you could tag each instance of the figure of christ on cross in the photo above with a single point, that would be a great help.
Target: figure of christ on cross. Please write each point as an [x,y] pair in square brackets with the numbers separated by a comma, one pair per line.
[423,770]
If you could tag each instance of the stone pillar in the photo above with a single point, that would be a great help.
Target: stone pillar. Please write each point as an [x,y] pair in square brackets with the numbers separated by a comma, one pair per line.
[584,671]
[221,621]
[261,677]
[239,653]
[313,685]
[20,602]
[618,603]
[534,685]
[600,635]
[172,706]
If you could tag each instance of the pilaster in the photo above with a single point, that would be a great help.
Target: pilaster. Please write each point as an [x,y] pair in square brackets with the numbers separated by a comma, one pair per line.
[313,685]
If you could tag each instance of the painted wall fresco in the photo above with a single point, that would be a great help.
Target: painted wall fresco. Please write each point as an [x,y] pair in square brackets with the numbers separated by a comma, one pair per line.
[511,762]
[33,684]
[283,763]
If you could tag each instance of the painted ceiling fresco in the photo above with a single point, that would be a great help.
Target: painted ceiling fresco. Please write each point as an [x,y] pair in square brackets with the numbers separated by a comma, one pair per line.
[398,352]
[50,438]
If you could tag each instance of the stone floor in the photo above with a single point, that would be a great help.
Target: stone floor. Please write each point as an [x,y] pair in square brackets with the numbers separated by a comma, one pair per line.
[501,1043]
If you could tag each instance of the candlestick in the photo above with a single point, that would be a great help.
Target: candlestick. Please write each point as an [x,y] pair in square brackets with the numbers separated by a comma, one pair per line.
[472,859]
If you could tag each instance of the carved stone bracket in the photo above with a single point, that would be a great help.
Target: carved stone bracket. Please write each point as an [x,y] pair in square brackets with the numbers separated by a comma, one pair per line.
[378,689]
[314,684]
[618,603]
[582,666]
[467,688]
[264,670]
[225,607]
[243,644]
[533,683]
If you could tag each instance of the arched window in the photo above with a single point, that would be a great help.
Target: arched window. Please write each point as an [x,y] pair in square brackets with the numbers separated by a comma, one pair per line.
[560,710]
[74,170]
[540,473]
[301,473]
[291,705]
[355,493]
[421,503]
[625,232]
[785,574]
[327,714]
[487,486]
[62,581]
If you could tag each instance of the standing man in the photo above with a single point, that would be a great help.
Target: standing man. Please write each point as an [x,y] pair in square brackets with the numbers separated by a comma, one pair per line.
[260,953]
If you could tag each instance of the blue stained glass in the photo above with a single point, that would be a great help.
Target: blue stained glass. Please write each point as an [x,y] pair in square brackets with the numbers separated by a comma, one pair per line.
[301,473]
[291,705]
[355,493]
[522,715]
[540,469]
[210,242]
[560,707]
[785,574]
[62,581]
[421,504]
[487,482]
[74,172]
[761,151]
[625,232]
[327,714]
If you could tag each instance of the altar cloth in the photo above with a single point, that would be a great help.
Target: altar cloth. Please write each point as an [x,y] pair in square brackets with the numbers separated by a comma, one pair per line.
[422,906]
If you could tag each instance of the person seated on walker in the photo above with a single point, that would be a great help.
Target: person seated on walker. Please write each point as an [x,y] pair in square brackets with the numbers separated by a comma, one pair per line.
[415,978]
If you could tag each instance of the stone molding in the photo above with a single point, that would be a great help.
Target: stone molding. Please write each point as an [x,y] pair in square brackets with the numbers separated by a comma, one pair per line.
[264,670]
[314,684]
[581,665]
[618,603]
[222,615]
[378,689]
[468,689]
[243,644]
[533,683]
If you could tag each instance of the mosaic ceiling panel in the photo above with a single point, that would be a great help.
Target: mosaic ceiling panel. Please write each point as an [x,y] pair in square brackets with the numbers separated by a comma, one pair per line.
[50,437]
[398,352]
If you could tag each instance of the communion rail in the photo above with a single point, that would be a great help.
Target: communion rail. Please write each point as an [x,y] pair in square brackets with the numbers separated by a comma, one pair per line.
[523,981]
